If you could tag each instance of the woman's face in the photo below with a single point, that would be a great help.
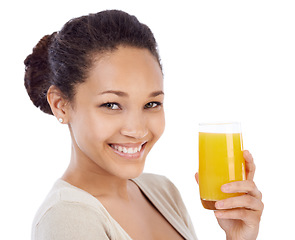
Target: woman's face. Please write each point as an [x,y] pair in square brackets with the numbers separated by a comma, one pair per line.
[118,114]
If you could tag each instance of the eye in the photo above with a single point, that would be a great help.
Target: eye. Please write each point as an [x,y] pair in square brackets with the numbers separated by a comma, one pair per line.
[152,105]
[111,106]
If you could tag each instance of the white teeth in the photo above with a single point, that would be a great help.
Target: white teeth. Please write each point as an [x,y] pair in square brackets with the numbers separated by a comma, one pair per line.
[127,150]
[130,150]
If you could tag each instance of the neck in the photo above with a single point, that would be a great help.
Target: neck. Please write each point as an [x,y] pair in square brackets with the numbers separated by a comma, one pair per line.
[83,173]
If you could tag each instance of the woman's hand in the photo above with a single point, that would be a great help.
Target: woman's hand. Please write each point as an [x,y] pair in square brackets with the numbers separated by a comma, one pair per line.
[240,216]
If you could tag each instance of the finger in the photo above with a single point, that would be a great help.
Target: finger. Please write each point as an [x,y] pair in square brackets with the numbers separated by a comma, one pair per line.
[247,216]
[246,186]
[250,166]
[245,201]
[197,177]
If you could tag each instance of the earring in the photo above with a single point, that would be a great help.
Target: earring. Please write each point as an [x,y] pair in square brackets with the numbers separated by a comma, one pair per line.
[60,120]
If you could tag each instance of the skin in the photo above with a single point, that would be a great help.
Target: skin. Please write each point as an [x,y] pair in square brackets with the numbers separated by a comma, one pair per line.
[120,105]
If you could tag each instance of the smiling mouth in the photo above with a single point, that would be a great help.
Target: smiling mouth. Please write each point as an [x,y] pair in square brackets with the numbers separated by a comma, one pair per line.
[127,150]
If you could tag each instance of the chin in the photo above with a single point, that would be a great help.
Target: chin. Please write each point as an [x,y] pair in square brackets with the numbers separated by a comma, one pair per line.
[131,172]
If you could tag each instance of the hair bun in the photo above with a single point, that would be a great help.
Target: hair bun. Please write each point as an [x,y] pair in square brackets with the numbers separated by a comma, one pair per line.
[37,74]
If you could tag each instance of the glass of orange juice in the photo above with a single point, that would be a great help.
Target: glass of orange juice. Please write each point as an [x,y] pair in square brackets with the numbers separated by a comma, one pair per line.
[220,160]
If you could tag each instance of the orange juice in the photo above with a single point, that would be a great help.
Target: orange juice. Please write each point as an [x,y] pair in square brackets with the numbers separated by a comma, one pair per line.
[220,161]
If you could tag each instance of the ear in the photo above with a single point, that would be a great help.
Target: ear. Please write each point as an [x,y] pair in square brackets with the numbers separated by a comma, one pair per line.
[58,104]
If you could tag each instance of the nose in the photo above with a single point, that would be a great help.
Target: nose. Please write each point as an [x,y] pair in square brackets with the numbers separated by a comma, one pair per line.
[135,126]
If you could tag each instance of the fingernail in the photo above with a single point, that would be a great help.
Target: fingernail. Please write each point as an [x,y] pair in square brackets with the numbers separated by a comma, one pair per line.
[218,214]
[225,188]
[219,204]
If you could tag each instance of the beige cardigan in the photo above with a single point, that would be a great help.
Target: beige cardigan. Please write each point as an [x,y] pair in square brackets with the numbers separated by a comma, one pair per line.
[70,213]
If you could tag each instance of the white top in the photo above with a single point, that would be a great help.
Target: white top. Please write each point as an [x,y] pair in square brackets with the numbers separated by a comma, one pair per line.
[70,213]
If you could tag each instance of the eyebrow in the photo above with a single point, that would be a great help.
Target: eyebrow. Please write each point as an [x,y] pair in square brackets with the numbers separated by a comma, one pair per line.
[156,93]
[124,94]
[118,93]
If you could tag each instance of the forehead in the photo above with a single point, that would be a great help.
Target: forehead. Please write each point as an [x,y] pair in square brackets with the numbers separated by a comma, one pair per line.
[126,69]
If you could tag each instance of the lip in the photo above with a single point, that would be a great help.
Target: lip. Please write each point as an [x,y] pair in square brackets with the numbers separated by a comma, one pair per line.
[129,145]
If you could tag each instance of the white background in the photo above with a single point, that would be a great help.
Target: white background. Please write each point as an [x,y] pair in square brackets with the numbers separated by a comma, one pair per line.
[223,60]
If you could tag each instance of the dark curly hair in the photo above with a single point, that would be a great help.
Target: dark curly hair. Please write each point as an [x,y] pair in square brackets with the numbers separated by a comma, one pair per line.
[64,58]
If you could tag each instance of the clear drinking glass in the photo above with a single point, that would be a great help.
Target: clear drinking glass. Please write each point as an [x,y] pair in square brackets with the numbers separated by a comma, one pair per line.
[220,160]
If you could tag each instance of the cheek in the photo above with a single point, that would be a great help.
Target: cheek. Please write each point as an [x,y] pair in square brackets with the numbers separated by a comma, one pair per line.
[157,125]
[90,130]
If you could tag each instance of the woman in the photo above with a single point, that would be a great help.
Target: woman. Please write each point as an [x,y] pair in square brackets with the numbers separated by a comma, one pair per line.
[101,75]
